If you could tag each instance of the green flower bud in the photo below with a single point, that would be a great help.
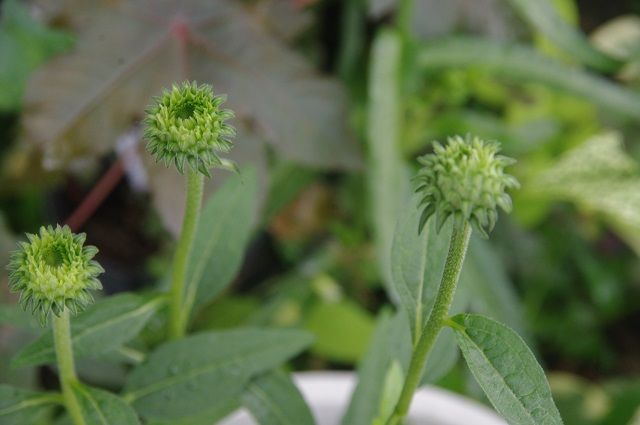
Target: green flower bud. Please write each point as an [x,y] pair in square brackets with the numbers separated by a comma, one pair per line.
[54,271]
[464,179]
[186,125]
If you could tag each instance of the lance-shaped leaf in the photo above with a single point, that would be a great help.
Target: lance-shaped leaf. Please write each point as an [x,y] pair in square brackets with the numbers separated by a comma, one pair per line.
[390,344]
[506,369]
[104,326]
[387,174]
[274,399]
[417,262]
[19,407]
[544,18]
[207,417]
[224,229]
[202,372]
[102,407]
[493,294]
[521,63]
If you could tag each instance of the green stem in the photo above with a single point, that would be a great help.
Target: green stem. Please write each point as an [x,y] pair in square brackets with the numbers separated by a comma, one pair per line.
[455,257]
[404,18]
[177,316]
[352,33]
[66,368]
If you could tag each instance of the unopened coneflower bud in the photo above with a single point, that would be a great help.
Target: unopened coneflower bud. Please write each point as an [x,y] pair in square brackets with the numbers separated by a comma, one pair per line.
[54,270]
[187,126]
[464,179]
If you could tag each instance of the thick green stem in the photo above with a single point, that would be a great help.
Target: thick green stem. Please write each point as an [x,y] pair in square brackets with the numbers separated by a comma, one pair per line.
[66,368]
[404,18]
[178,316]
[455,257]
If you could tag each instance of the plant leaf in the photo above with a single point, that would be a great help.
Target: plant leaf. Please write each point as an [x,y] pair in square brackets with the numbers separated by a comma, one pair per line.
[106,325]
[506,370]
[391,390]
[78,104]
[492,292]
[225,226]
[598,176]
[417,262]
[201,372]
[388,176]
[19,407]
[544,18]
[521,63]
[273,399]
[25,44]
[207,417]
[443,356]
[102,407]
[390,342]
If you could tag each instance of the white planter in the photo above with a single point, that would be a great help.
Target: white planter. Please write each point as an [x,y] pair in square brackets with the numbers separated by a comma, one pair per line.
[328,394]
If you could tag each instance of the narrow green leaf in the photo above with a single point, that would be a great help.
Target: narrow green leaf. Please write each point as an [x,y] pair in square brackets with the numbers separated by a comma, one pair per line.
[521,63]
[102,407]
[390,342]
[544,18]
[417,262]
[493,294]
[230,311]
[273,399]
[20,407]
[207,417]
[15,316]
[201,372]
[391,391]
[443,356]
[104,326]
[223,232]
[388,176]
[506,370]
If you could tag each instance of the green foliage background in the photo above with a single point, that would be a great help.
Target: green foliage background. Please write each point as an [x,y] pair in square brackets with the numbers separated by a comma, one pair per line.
[335,99]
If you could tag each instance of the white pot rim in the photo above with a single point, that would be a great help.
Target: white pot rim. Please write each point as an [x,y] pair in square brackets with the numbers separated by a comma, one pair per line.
[431,404]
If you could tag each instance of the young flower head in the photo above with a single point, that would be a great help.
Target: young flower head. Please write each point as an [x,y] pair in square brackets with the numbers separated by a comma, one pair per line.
[464,179]
[54,270]
[186,125]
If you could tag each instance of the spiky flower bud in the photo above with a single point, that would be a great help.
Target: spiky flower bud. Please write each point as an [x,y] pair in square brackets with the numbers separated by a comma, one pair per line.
[54,271]
[186,125]
[464,179]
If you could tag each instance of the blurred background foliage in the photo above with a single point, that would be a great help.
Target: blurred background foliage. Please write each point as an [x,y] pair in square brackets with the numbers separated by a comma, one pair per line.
[334,101]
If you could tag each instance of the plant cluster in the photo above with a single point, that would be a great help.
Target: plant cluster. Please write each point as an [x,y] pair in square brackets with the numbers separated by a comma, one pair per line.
[461,182]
